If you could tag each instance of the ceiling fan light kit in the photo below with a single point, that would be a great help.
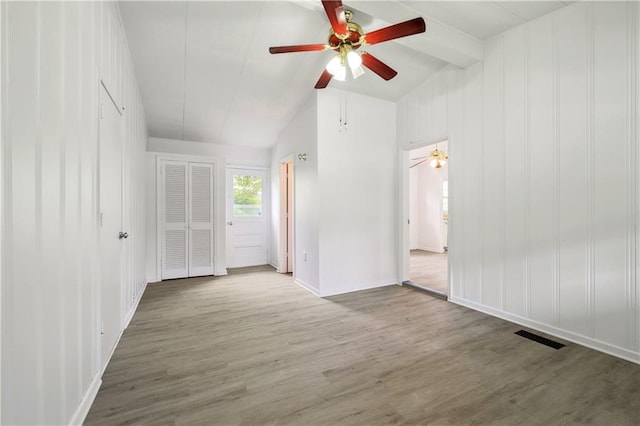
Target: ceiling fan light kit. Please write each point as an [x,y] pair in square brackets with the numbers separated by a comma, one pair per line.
[436,158]
[345,37]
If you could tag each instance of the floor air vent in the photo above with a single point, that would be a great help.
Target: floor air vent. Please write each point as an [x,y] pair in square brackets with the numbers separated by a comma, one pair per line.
[540,339]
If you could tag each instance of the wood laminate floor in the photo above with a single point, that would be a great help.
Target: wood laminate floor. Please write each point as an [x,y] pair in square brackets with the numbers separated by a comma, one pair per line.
[429,269]
[253,348]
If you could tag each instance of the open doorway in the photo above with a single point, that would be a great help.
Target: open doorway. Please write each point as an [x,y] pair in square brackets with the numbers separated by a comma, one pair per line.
[428,194]
[285,263]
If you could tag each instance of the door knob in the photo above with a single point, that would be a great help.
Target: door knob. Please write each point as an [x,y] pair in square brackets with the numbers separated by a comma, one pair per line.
[230,223]
[123,235]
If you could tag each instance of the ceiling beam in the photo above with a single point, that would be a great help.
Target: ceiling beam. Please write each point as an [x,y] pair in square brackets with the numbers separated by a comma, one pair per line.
[440,40]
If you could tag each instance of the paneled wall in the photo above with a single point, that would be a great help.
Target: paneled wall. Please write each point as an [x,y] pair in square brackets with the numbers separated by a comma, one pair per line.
[52,56]
[544,167]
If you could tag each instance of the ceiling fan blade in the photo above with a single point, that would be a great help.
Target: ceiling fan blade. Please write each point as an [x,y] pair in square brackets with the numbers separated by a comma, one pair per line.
[297,48]
[403,29]
[335,13]
[377,66]
[418,163]
[324,80]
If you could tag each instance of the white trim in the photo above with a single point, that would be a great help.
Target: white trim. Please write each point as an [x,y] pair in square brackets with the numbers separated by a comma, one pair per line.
[283,231]
[237,166]
[307,287]
[265,172]
[81,412]
[359,288]
[403,203]
[591,343]
[134,307]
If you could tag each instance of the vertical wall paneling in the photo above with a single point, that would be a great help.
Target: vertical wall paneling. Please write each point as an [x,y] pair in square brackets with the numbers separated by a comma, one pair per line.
[51,59]
[546,176]
[471,187]
[514,179]
[541,166]
[492,161]
[572,184]
[633,217]
[610,185]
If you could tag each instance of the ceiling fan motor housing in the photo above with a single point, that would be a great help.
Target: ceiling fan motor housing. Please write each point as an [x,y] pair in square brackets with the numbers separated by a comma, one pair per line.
[353,36]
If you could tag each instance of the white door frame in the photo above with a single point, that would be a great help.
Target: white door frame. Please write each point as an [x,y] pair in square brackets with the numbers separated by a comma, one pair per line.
[284,231]
[403,223]
[108,102]
[266,204]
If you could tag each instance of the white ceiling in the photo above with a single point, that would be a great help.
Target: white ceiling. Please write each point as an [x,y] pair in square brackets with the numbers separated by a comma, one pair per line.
[205,73]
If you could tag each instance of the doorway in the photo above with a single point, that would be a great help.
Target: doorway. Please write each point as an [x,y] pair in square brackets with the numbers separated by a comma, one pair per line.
[286,249]
[428,196]
[111,236]
[246,218]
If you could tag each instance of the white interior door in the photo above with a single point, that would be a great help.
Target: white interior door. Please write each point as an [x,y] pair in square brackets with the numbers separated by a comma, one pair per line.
[200,219]
[246,221]
[174,220]
[110,181]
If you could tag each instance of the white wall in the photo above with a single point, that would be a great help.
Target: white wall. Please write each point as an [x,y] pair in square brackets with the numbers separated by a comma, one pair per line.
[300,136]
[357,198]
[52,57]
[344,200]
[544,177]
[218,154]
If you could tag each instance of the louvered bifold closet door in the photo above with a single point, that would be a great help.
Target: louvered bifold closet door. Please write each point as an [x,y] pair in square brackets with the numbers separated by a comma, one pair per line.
[200,219]
[174,220]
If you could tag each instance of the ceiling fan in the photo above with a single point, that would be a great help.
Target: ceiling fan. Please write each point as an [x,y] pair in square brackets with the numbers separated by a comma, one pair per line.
[345,37]
[436,159]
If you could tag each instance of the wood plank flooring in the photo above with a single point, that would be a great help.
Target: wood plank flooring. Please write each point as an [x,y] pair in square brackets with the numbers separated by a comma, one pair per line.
[429,269]
[252,348]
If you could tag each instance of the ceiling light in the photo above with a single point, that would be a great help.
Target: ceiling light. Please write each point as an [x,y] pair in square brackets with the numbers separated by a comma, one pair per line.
[341,73]
[334,65]
[337,65]
[357,72]
[353,59]
[438,158]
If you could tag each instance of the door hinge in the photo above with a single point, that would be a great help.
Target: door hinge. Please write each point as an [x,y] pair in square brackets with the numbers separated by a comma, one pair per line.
[101,111]
[100,219]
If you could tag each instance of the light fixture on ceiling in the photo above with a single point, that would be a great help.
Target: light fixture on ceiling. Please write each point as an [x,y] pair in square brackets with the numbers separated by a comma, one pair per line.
[337,66]
[438,158]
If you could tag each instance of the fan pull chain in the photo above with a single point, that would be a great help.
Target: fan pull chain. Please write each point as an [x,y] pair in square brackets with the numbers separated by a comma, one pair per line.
[343,112]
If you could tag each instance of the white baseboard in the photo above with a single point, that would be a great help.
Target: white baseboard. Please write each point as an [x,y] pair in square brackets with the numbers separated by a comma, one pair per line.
[134,308]
[358,288]
[307,287]
[589,342]
[87,401]
[220,272]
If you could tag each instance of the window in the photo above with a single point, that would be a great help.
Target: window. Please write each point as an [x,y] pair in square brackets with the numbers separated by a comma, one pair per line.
[247,196]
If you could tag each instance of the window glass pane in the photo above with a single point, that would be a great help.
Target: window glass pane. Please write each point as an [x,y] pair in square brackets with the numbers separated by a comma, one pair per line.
[247,196]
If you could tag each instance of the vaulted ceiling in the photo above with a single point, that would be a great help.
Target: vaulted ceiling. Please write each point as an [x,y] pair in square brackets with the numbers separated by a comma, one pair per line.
[205,73]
